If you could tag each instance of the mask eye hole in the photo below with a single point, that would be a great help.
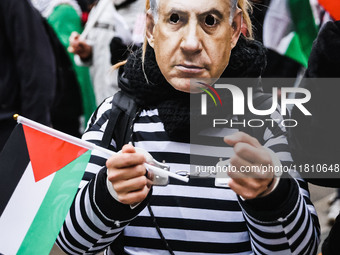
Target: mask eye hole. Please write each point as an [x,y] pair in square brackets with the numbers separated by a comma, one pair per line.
[210,20]
[174,18]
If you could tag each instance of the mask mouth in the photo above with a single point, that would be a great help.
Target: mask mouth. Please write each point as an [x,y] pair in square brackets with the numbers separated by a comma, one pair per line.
[190,69]
[191,66]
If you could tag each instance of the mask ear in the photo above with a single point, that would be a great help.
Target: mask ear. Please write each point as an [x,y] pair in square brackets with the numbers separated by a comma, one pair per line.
[236,27]
[150,25]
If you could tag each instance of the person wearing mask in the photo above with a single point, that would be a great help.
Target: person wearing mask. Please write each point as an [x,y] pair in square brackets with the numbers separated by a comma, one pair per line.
[118,209]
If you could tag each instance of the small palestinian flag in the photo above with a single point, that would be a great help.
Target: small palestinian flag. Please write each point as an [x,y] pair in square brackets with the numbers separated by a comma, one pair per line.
[39,178]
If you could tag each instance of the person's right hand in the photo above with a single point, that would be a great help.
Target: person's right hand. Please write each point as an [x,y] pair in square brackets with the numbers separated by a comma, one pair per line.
[127,174]
[79,47]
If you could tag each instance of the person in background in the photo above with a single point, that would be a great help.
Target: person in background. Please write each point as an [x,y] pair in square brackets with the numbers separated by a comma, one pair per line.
[64,18]
[27,66]
[117,208]
[120,25]
[316,140]
[85,6]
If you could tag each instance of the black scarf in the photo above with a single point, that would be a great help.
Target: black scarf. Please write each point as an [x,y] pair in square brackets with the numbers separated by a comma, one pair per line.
[247,60]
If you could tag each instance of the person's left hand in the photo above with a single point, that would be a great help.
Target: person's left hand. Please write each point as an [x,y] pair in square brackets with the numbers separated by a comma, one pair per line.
[249,153]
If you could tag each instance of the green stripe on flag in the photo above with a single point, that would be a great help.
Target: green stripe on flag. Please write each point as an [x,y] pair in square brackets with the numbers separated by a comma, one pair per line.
[295,51]
[304,26]
[54,208]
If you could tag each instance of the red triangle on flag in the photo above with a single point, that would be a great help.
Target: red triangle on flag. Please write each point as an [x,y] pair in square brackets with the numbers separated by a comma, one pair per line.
[49,154]
[331,6]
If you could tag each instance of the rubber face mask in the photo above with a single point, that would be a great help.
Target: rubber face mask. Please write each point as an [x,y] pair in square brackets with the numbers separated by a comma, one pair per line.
[192,39]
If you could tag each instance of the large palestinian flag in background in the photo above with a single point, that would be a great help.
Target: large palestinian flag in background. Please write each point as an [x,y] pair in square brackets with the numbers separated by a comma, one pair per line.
[291,26]
[39,177]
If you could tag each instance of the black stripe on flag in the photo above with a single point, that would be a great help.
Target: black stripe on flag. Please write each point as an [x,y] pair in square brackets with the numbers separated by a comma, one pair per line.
[13,162]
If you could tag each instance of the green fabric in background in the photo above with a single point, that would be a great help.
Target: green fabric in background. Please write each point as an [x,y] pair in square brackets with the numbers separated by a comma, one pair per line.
[64,20]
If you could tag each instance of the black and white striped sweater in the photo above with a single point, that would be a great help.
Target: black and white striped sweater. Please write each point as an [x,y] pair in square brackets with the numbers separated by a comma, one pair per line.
[195,218]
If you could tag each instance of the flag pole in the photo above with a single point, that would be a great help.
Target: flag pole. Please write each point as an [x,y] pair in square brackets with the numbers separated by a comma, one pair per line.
[101,6]
[87,145]
[61,135]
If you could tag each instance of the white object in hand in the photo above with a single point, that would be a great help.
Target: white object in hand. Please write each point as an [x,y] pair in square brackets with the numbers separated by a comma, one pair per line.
[222,179]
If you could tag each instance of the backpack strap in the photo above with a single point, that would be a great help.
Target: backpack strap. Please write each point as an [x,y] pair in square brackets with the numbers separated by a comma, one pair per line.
[120,125]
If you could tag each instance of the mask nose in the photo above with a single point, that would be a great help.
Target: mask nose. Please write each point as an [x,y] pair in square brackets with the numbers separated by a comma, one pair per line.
[191,42]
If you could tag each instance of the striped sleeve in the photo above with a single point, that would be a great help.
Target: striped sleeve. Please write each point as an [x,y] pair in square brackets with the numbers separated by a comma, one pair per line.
[291,229]
[95,218]
[285,221]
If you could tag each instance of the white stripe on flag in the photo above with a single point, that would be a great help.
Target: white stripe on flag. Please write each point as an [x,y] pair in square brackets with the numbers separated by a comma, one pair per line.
[284,44]
[21,210]
[277,26]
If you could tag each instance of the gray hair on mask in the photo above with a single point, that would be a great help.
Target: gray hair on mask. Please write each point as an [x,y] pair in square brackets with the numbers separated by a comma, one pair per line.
[154,4]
